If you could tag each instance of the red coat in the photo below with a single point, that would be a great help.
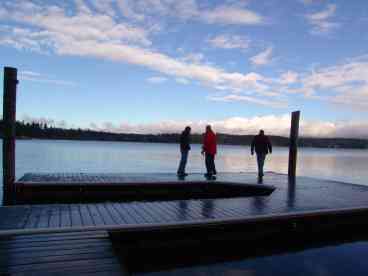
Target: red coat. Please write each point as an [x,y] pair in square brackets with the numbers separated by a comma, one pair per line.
[209,143]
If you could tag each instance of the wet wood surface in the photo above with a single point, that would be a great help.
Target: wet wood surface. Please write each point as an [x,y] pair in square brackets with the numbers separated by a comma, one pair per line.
[305,195]
[59,254]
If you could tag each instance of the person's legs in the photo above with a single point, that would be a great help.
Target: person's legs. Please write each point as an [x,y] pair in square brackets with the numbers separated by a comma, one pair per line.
[208,164]
[183,162]
[260,161]
[213,166]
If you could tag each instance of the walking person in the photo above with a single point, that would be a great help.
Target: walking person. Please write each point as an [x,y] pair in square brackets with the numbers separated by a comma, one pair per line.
[209,149]
[184,150]
[262,145]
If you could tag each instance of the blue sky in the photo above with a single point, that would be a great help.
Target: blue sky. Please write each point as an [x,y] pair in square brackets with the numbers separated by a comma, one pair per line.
[157,65]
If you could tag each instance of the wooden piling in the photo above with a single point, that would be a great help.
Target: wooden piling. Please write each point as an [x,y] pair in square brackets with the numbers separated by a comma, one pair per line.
[9,119]
[293,144]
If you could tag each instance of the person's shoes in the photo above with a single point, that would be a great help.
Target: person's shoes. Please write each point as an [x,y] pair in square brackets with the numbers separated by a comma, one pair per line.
[182,174]
[209,176]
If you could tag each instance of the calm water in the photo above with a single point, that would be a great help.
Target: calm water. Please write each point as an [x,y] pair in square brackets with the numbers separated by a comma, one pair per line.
[76,156]
[86,156]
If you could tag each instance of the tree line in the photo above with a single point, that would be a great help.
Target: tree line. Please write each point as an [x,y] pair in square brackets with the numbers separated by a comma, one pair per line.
[26,130]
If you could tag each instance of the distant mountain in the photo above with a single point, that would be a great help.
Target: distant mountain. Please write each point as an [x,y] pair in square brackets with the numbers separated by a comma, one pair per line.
[42,131]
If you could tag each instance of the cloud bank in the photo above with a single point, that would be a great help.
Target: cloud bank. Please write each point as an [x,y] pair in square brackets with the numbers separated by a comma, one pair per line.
[273,125]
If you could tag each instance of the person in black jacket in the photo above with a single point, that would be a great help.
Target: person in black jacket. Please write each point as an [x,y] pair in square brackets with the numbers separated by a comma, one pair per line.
[184,150]
[263,146]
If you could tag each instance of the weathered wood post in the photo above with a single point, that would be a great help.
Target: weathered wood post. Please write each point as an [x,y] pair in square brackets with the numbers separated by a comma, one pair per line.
[293,144]
[9,117]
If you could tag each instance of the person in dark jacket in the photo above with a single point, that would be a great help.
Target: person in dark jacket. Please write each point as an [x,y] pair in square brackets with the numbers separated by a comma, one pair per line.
[209,148]
[184,150]
[262,145]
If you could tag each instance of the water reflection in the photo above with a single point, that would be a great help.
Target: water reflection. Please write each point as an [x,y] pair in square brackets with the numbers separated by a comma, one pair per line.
[207,208]
[258,203]
[183,210]
[291,193]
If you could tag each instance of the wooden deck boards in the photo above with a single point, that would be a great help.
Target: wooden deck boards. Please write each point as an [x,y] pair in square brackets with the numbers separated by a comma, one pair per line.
[59,254]
[307,195]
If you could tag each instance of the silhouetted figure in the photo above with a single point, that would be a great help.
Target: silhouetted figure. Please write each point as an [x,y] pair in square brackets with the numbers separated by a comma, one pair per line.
[184,150]
[209,148]
[262,146]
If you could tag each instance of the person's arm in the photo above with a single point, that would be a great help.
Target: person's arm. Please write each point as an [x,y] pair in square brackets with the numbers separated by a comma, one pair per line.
[269,145]
[203,144]
[252,147]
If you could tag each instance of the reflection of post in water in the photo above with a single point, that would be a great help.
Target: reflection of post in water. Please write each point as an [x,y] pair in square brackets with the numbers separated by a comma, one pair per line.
[291,192]
[258,203]
[183,209]
[207,208]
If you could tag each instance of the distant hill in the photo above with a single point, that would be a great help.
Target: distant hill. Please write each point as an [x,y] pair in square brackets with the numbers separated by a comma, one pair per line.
[40,131]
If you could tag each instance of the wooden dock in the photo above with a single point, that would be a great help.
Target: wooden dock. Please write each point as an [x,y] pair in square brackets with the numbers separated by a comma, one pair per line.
[306,196]
[307,205]
[82,187]
[59,254]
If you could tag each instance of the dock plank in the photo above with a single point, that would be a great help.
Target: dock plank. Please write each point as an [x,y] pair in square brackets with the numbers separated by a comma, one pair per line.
[49,254]
[96,217]
[85,215]
[114,213]
[65,215]
[55,218]
[75,215]
[105,214]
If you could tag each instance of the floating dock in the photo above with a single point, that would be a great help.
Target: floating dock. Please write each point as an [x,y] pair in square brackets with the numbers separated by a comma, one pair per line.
[305,196]
[306,204]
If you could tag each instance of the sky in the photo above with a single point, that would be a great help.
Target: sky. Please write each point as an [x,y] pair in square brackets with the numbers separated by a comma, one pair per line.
[155,66]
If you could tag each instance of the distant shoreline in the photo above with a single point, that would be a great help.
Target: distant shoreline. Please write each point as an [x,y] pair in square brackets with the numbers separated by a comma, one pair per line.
[332,143]
[42,131]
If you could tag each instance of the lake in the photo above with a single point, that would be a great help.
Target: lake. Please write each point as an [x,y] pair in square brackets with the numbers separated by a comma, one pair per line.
[91,156]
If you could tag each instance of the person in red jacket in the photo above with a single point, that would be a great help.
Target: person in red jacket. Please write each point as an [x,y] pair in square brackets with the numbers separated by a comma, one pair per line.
[209,148]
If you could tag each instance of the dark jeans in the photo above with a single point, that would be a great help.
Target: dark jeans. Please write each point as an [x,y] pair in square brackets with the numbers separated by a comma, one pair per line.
[210,164]
[183,161]
[260,161]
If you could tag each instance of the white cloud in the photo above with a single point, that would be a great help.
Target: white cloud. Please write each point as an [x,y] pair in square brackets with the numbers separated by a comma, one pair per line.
[193,58]
[232,15]
[182,81]
[321,20]
[345,84]
[252,100]
[229,42]
[128,11]
[41,78]
[188,10]
[92,34]
[263,58]
[157,80]
[104,6]
[273,125]
[289,77]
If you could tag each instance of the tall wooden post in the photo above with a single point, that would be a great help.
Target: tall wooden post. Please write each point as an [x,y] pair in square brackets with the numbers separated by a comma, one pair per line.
[9,117]
[293,144]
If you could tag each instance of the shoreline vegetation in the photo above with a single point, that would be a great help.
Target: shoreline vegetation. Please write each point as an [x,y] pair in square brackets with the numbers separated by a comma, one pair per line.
[43,131]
